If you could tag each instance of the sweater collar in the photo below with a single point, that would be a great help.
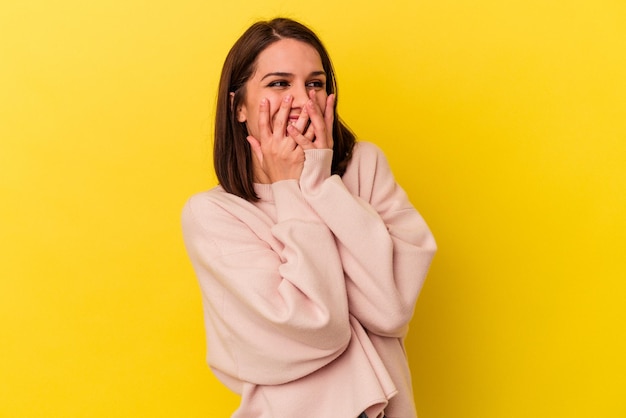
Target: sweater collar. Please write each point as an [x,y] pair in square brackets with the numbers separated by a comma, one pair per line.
[264,191]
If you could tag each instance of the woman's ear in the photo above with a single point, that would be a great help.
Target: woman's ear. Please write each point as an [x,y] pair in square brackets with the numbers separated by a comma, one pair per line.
[240,111]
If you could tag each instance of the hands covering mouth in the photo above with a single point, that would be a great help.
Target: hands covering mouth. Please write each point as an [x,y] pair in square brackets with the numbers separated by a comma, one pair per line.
[283,138]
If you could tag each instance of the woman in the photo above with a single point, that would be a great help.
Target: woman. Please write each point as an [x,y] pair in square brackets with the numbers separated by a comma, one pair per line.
[310,257]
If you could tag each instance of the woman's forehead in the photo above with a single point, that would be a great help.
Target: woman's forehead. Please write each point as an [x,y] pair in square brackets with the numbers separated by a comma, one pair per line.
[289,55]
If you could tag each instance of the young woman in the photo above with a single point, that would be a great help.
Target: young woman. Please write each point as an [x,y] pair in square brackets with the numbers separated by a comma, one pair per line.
[309,256]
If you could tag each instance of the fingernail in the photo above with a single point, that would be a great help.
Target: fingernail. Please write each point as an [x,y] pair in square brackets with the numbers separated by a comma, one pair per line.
[287,98]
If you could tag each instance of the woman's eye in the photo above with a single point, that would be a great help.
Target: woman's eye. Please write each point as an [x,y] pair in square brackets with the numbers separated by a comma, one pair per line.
[278,83]
[315,84]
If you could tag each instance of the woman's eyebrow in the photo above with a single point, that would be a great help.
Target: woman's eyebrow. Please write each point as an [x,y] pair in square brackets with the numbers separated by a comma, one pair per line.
[283,74]
[276,74]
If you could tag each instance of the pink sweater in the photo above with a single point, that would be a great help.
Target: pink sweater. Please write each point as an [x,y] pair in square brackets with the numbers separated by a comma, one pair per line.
[308,293]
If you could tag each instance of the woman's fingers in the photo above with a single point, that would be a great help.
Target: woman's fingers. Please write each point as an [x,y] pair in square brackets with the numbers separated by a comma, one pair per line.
[329,113]
[303,120]
[273,126]
[281,117]
[278,155]
[301,130]
[322,121]
[304,139]
[265,126]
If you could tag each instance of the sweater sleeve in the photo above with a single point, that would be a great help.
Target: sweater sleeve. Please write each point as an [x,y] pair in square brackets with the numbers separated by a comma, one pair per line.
[276,305]
[385,245]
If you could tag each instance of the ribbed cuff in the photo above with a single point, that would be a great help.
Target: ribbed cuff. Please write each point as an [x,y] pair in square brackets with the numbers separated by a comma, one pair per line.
[317,166]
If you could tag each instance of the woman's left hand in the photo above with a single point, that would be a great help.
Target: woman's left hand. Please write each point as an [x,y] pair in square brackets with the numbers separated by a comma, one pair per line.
[319,133]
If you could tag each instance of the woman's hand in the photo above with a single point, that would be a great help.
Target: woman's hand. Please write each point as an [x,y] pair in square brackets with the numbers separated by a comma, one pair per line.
[319,133]
[278,155]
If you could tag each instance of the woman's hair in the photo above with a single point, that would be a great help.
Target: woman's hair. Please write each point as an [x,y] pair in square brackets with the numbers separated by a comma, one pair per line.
[232,156]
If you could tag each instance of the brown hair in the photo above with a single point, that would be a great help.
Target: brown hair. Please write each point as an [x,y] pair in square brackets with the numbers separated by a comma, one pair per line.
[232,156]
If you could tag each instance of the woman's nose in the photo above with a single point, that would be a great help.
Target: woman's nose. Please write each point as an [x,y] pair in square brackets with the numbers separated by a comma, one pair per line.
[300,96]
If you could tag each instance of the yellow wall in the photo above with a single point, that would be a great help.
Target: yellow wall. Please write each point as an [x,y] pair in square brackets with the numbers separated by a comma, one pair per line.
[504,120]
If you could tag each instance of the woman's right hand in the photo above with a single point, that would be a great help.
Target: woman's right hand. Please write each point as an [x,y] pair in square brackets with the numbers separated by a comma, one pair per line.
[277,155]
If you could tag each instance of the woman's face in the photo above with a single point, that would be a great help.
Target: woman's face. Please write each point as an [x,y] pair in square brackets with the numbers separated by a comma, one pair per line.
[286,67]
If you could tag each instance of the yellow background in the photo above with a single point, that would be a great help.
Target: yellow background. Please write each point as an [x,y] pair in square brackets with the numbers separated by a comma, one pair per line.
[504,120]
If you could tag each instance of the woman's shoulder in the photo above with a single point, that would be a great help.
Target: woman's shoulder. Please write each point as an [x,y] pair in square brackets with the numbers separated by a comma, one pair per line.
[367,157]
[213,204]
[366,149]
[207,198]
[367,153]
[216,209]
